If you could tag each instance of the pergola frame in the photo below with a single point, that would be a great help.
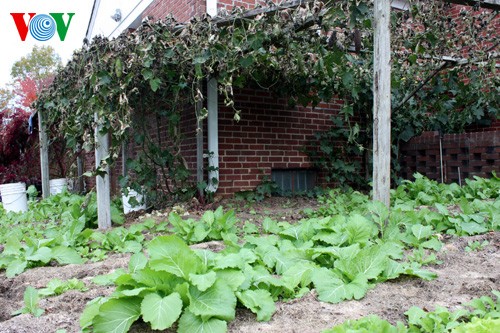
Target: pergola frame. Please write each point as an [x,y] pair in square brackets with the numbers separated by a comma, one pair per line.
[381,110]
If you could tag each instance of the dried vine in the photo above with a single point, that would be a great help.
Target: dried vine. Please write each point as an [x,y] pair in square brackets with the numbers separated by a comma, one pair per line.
[303,53]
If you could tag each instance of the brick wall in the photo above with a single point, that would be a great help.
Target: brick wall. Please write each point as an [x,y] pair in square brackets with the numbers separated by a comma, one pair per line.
[184,10]
[181,10]
[485,42]
[270,135]
[228,5]
[483,39]
[464,155]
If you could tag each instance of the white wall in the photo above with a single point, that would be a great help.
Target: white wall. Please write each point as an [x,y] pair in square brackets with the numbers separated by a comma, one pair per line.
[131,11]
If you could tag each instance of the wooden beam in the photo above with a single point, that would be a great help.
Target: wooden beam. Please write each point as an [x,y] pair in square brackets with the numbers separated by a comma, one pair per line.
[44,156]
[258,11]
[79,165]
[250,14]
[382,103]
[489,4]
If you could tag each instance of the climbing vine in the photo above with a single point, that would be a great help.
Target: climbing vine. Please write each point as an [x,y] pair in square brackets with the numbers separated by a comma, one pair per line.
[309,53]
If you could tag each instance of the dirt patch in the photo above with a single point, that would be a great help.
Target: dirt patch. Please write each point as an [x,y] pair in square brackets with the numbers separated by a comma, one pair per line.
[278,208]
[462,277]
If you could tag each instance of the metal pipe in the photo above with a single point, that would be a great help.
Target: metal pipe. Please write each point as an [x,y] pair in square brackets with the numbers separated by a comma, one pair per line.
[459,177]
[199,146]
[213,135]
[441,156]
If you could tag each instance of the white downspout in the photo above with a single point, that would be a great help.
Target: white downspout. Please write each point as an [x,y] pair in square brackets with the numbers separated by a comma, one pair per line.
[212,7]
[213,121]
[213,136]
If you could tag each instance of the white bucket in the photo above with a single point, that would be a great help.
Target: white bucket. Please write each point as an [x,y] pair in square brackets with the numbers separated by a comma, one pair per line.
[127,208]
[58,185]
[14,197]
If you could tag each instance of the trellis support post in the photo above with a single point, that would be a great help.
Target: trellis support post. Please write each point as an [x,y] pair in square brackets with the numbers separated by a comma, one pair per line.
[44,155]
[102,181]
[382,103]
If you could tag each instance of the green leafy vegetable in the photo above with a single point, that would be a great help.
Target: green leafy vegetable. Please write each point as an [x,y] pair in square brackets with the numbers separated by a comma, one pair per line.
[161,312]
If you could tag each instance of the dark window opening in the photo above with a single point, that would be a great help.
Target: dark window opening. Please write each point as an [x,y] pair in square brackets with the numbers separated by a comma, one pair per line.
[294,181]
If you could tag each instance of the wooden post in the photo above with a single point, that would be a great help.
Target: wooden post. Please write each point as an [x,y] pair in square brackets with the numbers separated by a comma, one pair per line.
[79,187]
[44,156]
[102,182]
[382,103]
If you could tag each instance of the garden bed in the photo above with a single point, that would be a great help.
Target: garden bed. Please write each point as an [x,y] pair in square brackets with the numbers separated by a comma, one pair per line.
[266,266]
[463,276]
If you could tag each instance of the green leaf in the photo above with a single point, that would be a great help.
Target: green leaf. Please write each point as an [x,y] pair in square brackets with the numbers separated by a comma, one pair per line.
[171,254]
[16,267]
[414,269]
[250,228]
[199,233]
[116,215]
[147,74]
[299,273]
[117,315]
[479,325]
[132,246]
[370,262]
[421,232]
[118,67]
[131,292]
[90,312]
[472,228]
[412,58]
[208,217]
[12,246]
[161,312]
[191,323]
[43,254]
[359,230]
[441,209]
[157,279]
[235,260]
[65,255]
[329,287]
[58,287]
[246,62]
[234,278]
[348,79]
[270,226]
[369,324]
[155,84]
[217,301]
[259,302]
[392,270]
[433,244]
[108,279]
[414,315]
[137,262]
[31,300]
[203,281]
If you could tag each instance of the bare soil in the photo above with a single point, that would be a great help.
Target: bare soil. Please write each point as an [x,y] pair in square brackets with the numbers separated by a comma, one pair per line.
[461,277]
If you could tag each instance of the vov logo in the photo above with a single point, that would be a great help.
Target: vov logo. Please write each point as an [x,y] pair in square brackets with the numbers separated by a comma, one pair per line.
[42,26]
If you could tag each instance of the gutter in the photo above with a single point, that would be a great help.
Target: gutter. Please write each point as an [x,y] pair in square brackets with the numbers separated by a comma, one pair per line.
[93,16]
